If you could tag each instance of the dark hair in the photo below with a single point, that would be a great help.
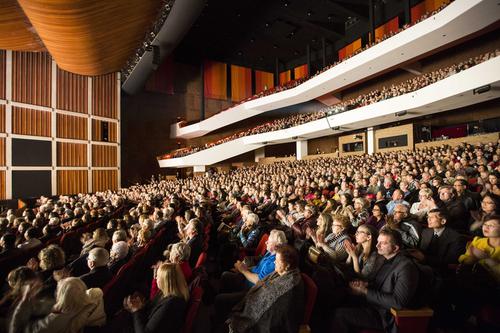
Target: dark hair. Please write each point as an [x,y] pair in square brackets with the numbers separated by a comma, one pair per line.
[442,213]
[496,200]
[288,255]
[9,240]
[394,235]
[374,233]
[382,207]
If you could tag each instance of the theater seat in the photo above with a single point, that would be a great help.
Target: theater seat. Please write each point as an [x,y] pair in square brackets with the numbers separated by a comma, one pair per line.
[192,310]
[260,250]
[311,291]
[202,258]
[409,321]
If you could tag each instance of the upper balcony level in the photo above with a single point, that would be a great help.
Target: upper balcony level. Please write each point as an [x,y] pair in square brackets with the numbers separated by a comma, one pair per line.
[455,91]
[458,20]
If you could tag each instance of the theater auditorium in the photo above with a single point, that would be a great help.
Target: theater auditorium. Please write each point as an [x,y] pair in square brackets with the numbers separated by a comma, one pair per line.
[264,166]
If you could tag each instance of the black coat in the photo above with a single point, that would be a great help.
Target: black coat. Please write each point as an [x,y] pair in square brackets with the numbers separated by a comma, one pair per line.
[449,246]
[97,277]
[161,315]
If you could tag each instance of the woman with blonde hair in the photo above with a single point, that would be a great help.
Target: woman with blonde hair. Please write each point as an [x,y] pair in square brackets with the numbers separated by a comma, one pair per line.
[167,309]
[75,308]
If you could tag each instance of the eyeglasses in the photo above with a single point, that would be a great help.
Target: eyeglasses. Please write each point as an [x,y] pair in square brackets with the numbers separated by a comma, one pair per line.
[376,209]
[490,225]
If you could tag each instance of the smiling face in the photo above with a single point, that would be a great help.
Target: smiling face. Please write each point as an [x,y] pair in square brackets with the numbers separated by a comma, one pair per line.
[385,247]
[491,228]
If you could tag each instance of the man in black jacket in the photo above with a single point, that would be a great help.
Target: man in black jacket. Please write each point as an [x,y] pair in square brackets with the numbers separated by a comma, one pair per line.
[393,287]
[99,274]
[458,215]
[439,245]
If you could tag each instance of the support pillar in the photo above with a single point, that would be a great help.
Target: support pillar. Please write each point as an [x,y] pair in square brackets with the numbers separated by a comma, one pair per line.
[370,140]
[301,149]
[260,153]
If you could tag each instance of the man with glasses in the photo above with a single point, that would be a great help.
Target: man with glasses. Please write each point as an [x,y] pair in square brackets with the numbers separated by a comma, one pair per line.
[470,200]
[406,225]
[459,218]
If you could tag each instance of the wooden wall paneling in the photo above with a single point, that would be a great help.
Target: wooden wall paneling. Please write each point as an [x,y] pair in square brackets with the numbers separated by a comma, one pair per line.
[2,152]
[71,154]
[3,79]
[113,132]
[350,139]
[394,131]
[31,78]
[72,181]
[72,127]
[104,180]
[96,130]
[104,156]
[2,118]
[104,96]
[31,122]
[72,91]
[3,195]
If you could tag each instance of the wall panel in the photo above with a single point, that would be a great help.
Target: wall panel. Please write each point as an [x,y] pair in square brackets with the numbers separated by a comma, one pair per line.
[104,180]
[31,78]
[71,154]
[2,118]
[104,96]
[97,132]
[104,156]
[2,152]
[72,181]
[72,92]
[31,122]
[72,127]
[2,185]
[2,73]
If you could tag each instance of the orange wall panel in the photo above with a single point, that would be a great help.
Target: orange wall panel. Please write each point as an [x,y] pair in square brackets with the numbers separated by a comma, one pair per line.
[71,154]
[105,96]
[285,77]
[263,81]
[31,122]
[72,181]
[2,185]
[31,78]
[2,118]
[104,156]
[2,151]
[72,92]
[2,73]
[104,180]
[71,127]
[241,83]
[97,131]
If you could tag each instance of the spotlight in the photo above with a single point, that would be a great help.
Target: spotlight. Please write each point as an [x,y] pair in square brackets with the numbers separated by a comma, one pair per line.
[401,113]
[481,90]
[336,128]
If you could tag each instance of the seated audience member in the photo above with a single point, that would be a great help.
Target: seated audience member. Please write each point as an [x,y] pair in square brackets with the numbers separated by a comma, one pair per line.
[360,214]
[458,215]
[100,274]
[167,310]
[333,244]
[31,240]
[177,253]
[75,308]
[363,257]
[309,221]
[99,239]
[405,225]
[345,206]
[439,245]
[490,205]
[393,286]
[324,227]
[194,238]
[424,205]
[397,198]
[50,259]
[118,255]
[8,245]
[470,199]
[275,303]
[249,234]
[379,216]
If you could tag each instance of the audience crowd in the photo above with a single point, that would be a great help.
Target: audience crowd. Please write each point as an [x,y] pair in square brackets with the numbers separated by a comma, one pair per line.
[396,230]
[374,96]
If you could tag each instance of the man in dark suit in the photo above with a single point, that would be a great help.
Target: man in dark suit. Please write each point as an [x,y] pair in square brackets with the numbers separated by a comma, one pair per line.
[439,245]
[194,238]
[458,216]
[99,274]
[471,200]
[393,287]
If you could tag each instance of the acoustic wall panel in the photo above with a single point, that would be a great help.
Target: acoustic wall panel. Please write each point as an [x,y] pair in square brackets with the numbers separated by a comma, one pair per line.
[31,122]
[3,195]
[72,92]
[2,118]
[104,156]
[31,78]
[71,154]
[31,152]
[103,180]
[2,152]
[72,181]
[2,73]
[72,127]
[104,131]
[104,96]
[29,184]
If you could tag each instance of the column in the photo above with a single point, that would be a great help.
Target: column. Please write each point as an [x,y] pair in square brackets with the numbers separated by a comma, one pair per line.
[260,153]
[301,149]
[199,168]
[370,140]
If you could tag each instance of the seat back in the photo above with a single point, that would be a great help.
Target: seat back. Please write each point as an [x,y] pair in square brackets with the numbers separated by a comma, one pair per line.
[201,259]
[311,291]
[192,310]
[262,247]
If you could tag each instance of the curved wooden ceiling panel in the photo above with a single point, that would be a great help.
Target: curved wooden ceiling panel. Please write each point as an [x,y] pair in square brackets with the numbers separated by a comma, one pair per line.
[16,32]
[91,37]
